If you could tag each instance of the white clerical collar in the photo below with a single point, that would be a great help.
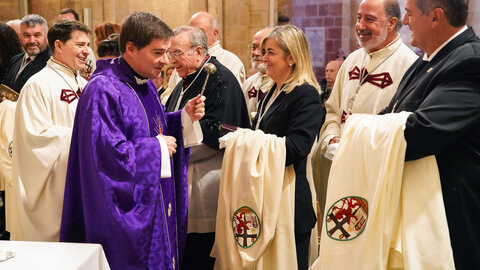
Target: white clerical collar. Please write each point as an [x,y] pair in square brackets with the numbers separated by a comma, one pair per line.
[140,81]
[429,58]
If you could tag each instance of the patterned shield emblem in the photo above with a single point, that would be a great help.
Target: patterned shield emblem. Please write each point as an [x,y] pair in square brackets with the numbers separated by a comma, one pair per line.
[346,219]
[246,226]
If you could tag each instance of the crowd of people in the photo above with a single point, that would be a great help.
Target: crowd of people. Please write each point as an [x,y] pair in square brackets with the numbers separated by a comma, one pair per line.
[127,150]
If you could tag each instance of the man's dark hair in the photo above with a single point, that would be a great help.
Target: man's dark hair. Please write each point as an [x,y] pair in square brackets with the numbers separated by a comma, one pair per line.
[9,45]
[392,9]
[140,28]
[109,46]
[69,10]
[456,11]
[62,31]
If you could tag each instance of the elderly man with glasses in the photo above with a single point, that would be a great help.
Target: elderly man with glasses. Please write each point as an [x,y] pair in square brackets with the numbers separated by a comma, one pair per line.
[224,104]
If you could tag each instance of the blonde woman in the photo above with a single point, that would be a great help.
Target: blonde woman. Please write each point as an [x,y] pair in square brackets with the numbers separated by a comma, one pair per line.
[292,109]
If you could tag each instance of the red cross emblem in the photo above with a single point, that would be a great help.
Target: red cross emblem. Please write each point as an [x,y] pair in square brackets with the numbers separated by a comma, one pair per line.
[344,117]
[254,93]
[68,95]
[347,218]
[246,227]
[381,80]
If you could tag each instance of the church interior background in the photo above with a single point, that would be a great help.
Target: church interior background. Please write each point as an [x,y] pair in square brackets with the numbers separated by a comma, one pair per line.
[329,24]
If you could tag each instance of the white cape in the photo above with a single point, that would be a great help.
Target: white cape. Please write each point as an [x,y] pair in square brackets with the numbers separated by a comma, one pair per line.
[382,212]
[255,224]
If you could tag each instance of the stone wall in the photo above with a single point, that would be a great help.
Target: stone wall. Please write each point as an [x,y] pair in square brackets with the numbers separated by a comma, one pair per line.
[238,20]
[334,17]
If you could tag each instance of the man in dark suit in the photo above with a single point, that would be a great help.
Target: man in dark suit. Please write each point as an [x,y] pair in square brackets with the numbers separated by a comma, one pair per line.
[224,104]
[442,89]
[33,37]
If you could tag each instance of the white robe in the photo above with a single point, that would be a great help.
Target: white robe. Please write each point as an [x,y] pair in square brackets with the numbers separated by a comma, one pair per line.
[371,99]
[7,118]
[397,219]
[229,60]
[90,66]
[254,88]
[42,133]
[258,191]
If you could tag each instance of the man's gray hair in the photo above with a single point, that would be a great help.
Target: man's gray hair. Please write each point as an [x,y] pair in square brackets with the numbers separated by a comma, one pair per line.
[33,19]
[392,9]
[196,36]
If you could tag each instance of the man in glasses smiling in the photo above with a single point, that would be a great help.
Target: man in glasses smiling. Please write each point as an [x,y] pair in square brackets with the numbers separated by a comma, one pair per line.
[224,104]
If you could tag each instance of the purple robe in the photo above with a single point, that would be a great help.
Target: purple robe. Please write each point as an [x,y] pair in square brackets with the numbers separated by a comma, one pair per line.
[114,195]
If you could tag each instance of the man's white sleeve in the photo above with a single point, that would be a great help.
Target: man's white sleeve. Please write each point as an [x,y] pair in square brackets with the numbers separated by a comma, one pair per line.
[191,131]
[165,171]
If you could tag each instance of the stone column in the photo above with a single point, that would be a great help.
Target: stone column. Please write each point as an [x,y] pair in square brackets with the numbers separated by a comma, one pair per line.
[109,11]
[215,7]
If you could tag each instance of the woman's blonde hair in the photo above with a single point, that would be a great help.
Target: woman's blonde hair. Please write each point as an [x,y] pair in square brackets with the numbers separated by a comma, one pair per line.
[294,42]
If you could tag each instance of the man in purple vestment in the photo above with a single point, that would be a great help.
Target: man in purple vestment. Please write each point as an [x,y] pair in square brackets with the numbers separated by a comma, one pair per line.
[126,185]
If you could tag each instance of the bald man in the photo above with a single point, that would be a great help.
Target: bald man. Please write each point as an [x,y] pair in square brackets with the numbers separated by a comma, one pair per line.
[331,71]
[326,85]
[256,85]
[209,25]
[15,24]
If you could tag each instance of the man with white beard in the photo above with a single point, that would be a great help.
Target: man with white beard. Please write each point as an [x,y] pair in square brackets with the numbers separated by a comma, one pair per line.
[256,85]
[366,82]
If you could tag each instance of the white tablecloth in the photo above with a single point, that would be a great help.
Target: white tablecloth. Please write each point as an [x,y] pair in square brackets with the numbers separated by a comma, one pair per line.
[53,255]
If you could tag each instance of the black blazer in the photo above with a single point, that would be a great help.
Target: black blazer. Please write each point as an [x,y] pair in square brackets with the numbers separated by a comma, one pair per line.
[444,95]
[297,116]
[14,65]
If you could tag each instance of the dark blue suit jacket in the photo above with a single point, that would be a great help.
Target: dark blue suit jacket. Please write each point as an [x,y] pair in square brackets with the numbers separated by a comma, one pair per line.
[14,65]
[444,95]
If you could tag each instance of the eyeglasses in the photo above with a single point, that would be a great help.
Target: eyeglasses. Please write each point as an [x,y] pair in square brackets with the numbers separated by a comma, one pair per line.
[176,55]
